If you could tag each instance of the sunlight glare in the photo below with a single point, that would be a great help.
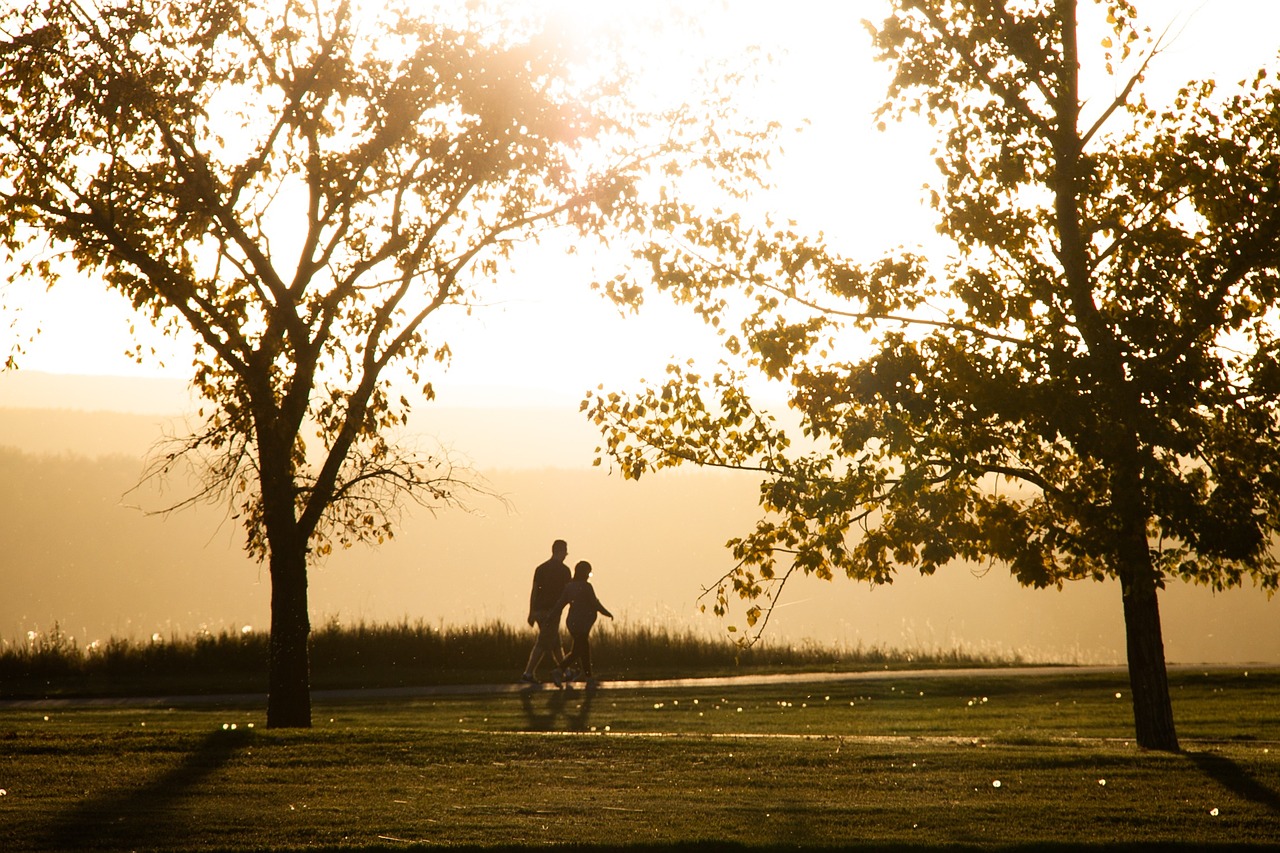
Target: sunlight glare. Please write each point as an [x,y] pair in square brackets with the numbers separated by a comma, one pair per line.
[543,336]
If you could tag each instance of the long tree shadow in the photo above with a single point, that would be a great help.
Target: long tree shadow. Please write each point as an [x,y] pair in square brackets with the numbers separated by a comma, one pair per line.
[129,818]
[1235,779]
[553,713]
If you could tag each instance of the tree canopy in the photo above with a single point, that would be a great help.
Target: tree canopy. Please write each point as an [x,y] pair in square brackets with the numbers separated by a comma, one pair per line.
[314,189]
[1083,384]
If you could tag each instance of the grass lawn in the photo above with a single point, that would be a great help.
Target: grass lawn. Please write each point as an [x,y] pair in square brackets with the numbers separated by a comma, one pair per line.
[919,762]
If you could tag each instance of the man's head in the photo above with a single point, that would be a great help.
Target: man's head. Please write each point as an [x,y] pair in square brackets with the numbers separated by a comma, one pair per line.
[560,549]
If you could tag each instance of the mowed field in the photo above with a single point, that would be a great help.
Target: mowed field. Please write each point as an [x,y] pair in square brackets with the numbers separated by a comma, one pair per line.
[895,761]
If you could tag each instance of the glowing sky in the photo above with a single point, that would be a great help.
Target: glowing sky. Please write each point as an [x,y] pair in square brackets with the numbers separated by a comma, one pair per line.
[545,336]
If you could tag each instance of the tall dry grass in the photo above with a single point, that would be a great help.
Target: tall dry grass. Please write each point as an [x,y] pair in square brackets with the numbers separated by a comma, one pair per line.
[411,653]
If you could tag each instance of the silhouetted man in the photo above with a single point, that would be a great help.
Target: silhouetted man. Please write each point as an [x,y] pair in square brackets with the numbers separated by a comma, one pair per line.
[549,581]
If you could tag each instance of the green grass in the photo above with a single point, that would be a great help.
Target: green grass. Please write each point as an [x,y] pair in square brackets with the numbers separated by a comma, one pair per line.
[405,654]
[905,761]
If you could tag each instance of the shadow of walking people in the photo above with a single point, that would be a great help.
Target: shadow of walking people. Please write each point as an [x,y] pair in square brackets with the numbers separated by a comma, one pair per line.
[566,710]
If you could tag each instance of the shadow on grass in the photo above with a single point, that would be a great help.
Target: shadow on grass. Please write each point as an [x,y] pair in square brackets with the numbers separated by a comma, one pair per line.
[1235,779]
[151,813]
[554,711]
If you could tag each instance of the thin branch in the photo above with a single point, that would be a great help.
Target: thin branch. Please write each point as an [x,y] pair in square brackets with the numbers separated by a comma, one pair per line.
[859,316]
[1123,98]
[778,586]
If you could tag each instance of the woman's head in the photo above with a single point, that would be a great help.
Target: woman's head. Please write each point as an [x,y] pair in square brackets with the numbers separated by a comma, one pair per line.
[582,571]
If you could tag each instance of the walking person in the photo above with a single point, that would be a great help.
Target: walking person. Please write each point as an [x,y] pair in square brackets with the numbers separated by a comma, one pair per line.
[549,580]
[583,604]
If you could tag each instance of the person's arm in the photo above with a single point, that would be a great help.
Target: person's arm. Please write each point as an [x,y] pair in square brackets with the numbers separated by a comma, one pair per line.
[533,596]
[599,606]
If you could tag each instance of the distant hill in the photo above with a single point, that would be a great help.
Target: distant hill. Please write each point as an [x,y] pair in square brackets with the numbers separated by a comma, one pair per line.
[67,431]
[94,415]
[25,389]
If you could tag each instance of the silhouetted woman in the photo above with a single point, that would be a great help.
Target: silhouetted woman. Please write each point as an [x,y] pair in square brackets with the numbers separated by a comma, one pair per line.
[583,607]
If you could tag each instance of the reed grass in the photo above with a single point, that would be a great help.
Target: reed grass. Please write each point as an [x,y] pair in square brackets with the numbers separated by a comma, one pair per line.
[412,654]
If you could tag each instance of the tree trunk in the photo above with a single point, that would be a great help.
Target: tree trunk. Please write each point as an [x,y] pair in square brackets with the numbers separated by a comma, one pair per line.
[289,679]
[1148,681]
[289,670]
[1148,678]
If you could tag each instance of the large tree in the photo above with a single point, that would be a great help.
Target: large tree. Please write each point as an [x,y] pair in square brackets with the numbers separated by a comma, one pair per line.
[1088,386]
[317,194]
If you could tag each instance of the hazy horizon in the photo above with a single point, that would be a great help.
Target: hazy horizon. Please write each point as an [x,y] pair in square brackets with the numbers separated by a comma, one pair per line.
[111,570]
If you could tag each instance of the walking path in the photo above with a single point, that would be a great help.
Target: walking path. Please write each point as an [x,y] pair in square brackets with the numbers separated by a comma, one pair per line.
[517,687]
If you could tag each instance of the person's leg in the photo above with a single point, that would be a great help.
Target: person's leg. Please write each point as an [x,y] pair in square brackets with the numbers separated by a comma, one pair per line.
[549,638]
[571,658]
[574,659]
[541,647]
[584,656]
[535,657]
[556,651]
